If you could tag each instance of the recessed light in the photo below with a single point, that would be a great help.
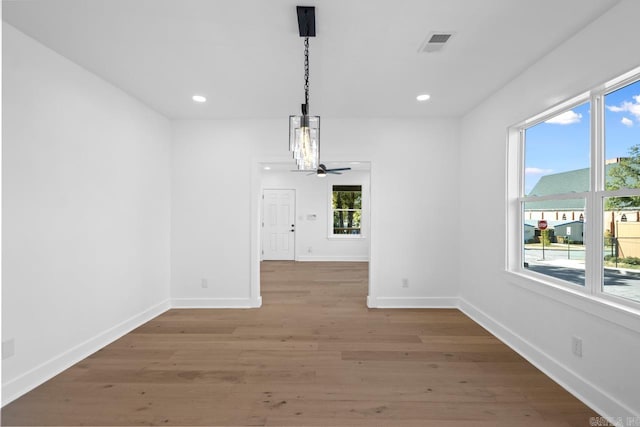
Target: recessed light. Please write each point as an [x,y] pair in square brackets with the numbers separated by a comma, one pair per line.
[199,98]
[423,97]
[267,168]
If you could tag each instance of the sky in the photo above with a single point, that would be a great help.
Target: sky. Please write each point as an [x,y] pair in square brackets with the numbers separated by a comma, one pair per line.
[562,143]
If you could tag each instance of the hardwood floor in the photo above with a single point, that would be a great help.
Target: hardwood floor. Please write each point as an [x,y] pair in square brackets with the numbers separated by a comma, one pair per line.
[312,355]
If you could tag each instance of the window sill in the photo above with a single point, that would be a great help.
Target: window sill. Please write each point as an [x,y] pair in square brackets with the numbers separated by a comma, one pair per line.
[347,237]
[622,315]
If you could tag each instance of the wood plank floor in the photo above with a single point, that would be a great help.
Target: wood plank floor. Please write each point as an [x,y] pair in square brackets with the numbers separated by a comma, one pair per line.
[312,355]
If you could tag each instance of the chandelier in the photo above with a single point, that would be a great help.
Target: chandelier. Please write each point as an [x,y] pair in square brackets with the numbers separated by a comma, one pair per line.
[304,130]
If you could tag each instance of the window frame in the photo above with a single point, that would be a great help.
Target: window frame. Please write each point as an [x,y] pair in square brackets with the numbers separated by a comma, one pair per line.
[330,234]
[594,198]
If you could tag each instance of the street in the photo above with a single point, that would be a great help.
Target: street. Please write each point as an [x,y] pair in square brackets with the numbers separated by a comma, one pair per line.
[621,282]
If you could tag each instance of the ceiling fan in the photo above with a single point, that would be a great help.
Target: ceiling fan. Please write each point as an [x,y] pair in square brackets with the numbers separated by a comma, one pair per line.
[323,171]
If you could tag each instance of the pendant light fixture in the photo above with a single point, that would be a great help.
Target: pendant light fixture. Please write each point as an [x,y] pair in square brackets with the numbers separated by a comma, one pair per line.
[304,130]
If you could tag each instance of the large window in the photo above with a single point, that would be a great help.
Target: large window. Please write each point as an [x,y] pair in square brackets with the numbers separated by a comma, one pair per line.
[574,188]
[346,210]
[556,169]
[621,201]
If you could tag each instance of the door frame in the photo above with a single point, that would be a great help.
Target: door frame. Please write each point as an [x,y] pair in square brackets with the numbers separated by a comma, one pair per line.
[255,206]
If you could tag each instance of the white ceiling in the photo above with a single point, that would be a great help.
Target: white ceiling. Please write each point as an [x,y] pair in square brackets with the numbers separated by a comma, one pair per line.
[247,58]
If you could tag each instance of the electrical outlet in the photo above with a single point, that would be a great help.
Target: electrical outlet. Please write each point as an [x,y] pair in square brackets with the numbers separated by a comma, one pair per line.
[8,348]
[405,282]
[576,346]
[204,283]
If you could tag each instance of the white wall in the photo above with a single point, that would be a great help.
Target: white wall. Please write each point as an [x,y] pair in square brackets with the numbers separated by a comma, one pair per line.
[414,196]
[215,205]
[86,213]
[540,322]
[313,198]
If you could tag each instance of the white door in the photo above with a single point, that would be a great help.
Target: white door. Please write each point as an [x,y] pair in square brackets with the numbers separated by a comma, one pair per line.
[278,224]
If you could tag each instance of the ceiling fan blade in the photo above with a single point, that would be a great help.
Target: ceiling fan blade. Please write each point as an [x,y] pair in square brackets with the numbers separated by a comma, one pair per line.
[338,169]
[310,173]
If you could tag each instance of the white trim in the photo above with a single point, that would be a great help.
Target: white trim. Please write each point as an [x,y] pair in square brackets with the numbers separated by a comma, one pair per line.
[216,302]
[594,211]
[363,220]
[255,230]
[371,302]
[561,196]
[594,235]
[346,236]
[621,81]
[555,110]
[413,302]
[513,189]
[371,290]
[346,258]
[619,193]
[581,388]
[26,382]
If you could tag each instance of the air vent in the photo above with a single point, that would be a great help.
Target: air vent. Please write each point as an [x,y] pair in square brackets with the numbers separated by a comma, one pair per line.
[439,38]
[435,41]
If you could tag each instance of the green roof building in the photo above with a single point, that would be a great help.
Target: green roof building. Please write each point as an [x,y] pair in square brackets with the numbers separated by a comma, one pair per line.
[575,181]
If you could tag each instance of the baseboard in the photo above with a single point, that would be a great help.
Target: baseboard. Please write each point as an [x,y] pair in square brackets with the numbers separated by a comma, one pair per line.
[371,302]
[412,302]
[216,302]
[354,258]
[589,394]
[47,370]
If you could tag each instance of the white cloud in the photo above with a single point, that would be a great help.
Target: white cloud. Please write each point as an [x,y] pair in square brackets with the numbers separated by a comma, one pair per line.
[567,118]
[537,171]
[627,122]
[629,107]
[615,109]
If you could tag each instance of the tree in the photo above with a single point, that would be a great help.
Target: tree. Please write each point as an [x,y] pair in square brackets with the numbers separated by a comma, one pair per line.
[347,202]
[545,238]
[609,239]
[625,174]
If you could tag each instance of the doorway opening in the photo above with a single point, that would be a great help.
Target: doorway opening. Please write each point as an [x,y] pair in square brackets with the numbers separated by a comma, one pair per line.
[293,225]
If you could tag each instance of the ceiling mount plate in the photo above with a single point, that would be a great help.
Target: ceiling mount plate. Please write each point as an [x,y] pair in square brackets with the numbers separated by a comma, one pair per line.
[306,21]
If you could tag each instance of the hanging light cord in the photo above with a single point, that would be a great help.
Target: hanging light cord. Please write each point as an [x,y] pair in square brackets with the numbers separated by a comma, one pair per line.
[306,76]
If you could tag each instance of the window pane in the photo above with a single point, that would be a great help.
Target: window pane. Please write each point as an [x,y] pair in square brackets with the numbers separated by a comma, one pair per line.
[621,251]
[557,154]
[347,197]
[346,221]
[346,204]
[622,137]
[557,250]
